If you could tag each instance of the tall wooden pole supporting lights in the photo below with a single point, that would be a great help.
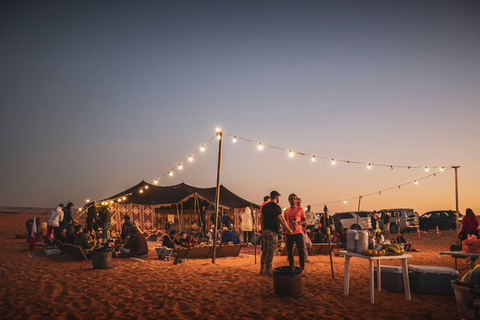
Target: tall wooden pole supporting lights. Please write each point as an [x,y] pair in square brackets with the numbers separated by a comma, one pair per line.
[456,201]
[217,194]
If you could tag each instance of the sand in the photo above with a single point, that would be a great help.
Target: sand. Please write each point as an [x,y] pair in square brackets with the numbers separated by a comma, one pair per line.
[61,287]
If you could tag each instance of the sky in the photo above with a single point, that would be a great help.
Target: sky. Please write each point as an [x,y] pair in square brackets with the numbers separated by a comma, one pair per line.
[98,95]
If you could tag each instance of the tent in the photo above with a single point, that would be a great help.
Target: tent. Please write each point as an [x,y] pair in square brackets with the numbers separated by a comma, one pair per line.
[151,206]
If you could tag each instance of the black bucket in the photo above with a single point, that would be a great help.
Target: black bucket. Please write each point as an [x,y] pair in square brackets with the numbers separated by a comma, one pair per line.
[287,281]
[101,258]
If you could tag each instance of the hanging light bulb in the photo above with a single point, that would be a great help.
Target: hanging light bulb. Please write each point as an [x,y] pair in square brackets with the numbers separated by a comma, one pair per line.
[202,148]
[190,158]
[180,166]
[111,201]
[441,169]
[119,199]
[426,168]
[235,139]
[141,190]
[88,200]
[345,201]
[170,173]
[416,182]
[260,147]
[313,158]
[348,162]
[333,161]
[408,168]
[218,129]
[155,182]
[379,193]
[391,167]
[124,198]
[146,187]
[291,153]
[369,166]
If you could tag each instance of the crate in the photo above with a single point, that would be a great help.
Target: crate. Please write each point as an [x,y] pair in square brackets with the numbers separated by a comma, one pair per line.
[392,278]
[468,301]
[432,279]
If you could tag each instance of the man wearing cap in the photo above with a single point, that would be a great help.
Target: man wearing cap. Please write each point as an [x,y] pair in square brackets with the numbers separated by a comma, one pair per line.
[271,217]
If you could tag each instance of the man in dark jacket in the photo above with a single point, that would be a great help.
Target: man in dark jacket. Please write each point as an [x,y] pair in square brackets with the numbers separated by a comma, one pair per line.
[136,245]
[126,229]
[67,216]
[82,240]
[106,220]
[92,217]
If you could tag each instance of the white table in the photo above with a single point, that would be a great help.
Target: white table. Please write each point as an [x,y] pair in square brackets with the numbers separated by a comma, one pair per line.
[371,259]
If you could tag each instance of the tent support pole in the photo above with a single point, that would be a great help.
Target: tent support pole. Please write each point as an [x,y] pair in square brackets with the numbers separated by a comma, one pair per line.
[456,202]
[217,194]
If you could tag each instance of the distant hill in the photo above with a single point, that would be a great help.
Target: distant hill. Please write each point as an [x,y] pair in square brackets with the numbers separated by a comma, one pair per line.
[23,209]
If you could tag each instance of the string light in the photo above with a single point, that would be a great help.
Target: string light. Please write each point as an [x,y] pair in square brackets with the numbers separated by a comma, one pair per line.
[235,139]
[156,181]
[190,158]
[146,187]
[369,166]
[333,161]
[111,201]
[348,162]
[416,182]
[170,173]
[218,129]
[88,200]
[202,148]
[345,201]
[391,167]
[124,198]
[313,158]
[180,166]
[426,168]
[441,169]
[260,147]
[291,153]
[119,200]
[141,190]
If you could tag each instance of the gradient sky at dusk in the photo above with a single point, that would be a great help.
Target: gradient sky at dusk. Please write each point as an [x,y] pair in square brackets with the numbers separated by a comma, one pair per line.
[98,95]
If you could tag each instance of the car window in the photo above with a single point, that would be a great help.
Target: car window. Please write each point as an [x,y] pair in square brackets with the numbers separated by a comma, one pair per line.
[346,215]
[364,214]
[443,214]
[426,215]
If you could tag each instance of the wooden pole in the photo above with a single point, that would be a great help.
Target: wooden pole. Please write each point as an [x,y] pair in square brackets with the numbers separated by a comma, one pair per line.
[217,194]
[456,201]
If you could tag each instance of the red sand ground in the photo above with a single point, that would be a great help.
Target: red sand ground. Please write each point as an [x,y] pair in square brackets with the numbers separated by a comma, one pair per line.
[61,287]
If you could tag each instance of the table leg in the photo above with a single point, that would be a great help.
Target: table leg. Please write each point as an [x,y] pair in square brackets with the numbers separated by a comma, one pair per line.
[372,286]
[456,268]
[346,278]
[406,282]
[379,277]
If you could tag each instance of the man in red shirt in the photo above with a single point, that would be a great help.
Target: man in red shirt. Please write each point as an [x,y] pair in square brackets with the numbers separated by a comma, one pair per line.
[295,218]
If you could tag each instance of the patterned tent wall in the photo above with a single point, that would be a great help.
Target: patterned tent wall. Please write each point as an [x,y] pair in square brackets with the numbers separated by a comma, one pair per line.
[142,215]
[237,219]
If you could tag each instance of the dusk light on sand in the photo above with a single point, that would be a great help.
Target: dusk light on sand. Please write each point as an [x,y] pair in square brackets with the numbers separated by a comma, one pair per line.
[140,118]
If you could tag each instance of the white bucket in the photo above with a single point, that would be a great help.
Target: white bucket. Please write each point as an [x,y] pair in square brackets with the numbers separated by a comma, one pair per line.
[352,237]
[362,243]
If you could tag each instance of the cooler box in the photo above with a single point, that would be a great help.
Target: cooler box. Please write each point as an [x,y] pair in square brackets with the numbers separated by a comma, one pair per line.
[392,278]
[432,279]
[468,301]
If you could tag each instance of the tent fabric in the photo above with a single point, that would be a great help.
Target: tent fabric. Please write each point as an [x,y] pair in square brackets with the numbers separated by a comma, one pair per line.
[158,195]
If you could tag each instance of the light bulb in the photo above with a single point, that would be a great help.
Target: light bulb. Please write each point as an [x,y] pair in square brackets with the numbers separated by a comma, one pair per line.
[313,158]
[416,182]
[119,200]
[333,161]
[88,200]
[170,173]
[235,139]
[345,201]
[180,166]
[219,136]
[291,153]
[141,191]
[124,198]
[202,148]
[111,201]
[155,182]
[218,129]
[146,187]
[190,158]
[391,167]
[369,166]
[260,147]
[441,169]
[426,169]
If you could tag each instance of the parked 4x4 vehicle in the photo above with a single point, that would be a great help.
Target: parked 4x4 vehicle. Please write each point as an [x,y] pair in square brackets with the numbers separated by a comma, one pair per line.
[352,219]
[444,219]
[408,219]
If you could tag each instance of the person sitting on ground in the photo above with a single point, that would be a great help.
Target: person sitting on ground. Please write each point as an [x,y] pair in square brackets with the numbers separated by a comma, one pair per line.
[29,225]
[136,245]
[229,236]
[226,220]
[194,230]
[82,240]
[170,239]
[469,225]
[342,243]
[70,229]
[71,237]
[187,241]
[126,233]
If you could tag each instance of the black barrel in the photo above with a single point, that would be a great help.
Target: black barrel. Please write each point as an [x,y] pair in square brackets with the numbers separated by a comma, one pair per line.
[287,281]
[102,258]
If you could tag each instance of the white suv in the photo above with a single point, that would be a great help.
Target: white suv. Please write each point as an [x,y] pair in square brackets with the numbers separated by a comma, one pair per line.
[354,219]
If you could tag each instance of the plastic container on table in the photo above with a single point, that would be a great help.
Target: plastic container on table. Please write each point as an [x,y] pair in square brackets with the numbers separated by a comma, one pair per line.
[392,278]
[432,279]
[287,281]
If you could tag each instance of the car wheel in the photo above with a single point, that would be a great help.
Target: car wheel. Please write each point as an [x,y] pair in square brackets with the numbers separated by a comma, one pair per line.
[443,226]
[393,228]
[356,226]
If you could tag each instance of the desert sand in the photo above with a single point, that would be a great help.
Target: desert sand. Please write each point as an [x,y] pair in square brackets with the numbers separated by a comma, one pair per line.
[61,287]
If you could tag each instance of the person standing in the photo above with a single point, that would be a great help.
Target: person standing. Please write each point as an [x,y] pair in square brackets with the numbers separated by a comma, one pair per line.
[106,220]
[247,225]
[270,218]
[304,231]
[469,225]
[67,216]
[373,219]
[386,224]
[266,199]
[53,223]
[295,217]
[92,217]
[311,217]
[202,222]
